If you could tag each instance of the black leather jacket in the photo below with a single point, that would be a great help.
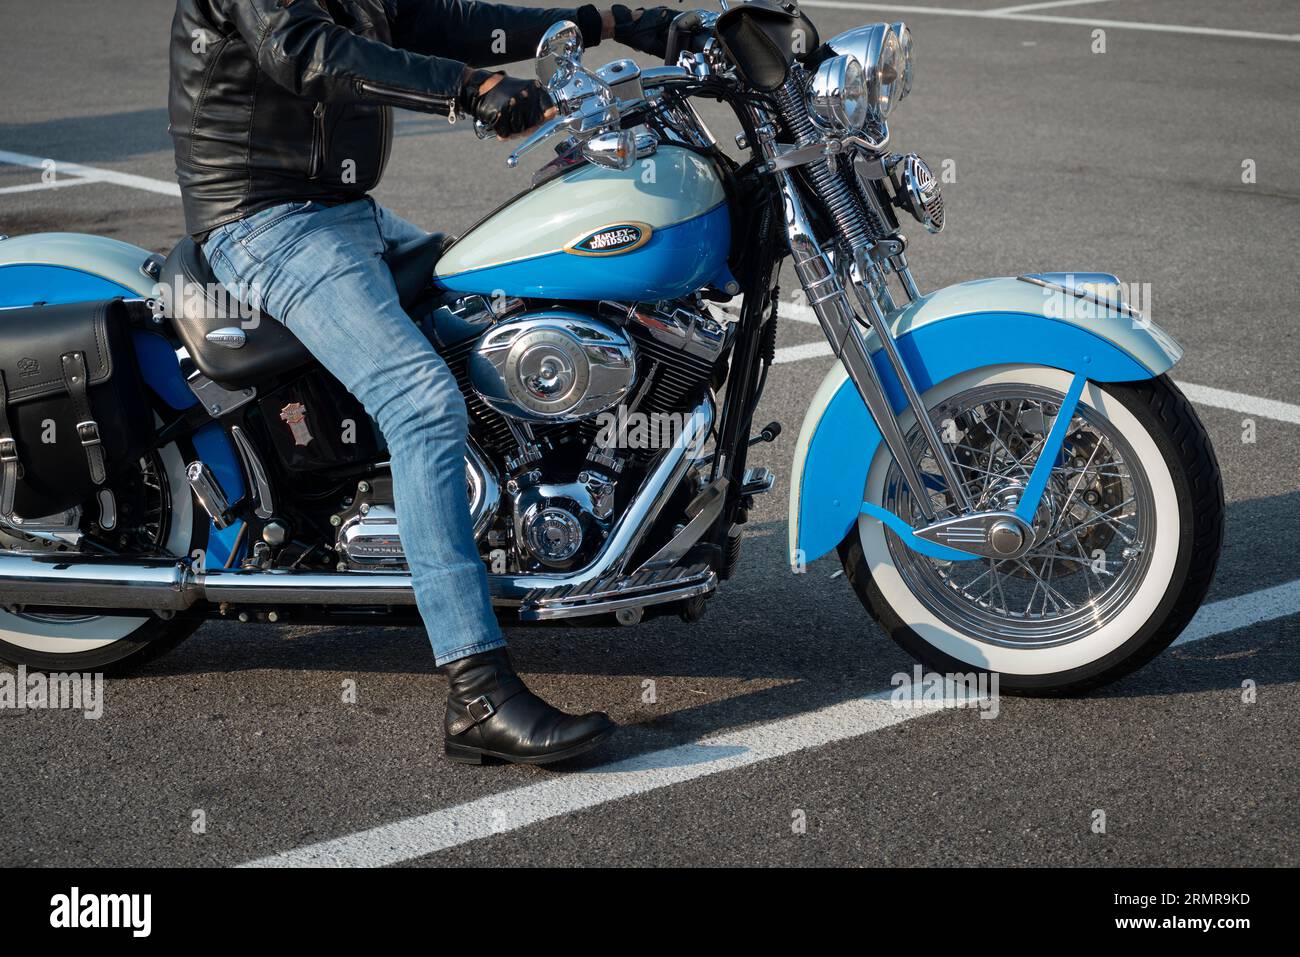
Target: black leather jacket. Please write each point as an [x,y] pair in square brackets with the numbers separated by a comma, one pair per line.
[276,101]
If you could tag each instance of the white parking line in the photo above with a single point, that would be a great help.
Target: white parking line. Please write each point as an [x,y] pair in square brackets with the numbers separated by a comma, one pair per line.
[511,810]
[56,184]
[90,174]
[909,10]
[1199,394]
[1026,7]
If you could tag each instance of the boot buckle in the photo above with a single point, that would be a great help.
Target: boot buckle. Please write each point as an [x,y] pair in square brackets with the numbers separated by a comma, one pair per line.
[481,708]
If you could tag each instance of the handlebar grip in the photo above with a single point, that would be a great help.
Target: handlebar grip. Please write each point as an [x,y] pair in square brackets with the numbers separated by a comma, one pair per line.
[683,24]
[670,50]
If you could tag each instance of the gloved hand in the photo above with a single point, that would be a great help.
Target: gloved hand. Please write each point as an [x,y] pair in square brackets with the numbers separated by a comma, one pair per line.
[508,106]
[647,33]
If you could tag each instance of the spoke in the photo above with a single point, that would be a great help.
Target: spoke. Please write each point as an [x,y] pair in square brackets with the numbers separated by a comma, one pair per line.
[1065,508]
[1098,517]
[1045,585]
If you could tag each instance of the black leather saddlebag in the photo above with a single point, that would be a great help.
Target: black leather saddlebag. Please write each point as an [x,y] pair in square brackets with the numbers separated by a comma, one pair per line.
[73,410]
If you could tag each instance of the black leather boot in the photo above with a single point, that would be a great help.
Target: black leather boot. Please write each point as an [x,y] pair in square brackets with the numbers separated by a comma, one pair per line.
[490,714]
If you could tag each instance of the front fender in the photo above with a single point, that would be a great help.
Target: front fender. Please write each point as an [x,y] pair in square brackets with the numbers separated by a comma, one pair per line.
[971,325]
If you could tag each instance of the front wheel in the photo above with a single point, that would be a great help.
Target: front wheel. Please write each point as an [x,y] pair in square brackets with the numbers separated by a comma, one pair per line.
[1127,536]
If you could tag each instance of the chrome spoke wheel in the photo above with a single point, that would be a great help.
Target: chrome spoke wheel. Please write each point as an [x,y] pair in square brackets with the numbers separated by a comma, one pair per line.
[1092,529]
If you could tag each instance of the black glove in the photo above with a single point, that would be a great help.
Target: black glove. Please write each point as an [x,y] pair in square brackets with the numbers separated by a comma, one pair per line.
[510,107]
[648,33]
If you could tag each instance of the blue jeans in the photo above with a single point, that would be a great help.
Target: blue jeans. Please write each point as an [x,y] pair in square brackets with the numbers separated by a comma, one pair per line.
[318,270]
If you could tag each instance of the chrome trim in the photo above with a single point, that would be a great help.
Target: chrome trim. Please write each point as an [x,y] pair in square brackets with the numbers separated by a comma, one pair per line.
[646,588]
[1088,295]
[704,509]
[208,493]
[837,85]
[994,534]
[758,479]
[229,337]
[886,338]
[85,582]
[552,366]
[484,488]
[107,510]
[261,485]
[840,325]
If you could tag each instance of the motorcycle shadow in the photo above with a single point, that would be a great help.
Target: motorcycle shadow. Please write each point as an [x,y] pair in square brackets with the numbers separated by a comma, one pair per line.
[771,644]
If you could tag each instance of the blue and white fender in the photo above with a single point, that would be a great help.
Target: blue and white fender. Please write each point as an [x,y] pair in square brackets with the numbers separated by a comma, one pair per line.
[75,267]
[972,325]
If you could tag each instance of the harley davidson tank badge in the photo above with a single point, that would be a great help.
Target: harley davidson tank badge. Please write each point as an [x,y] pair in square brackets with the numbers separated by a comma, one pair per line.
[295,416]
[611,240]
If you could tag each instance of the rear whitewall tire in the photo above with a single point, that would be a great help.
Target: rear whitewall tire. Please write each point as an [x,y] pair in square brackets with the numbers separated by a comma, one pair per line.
[97,641]
[1134,635]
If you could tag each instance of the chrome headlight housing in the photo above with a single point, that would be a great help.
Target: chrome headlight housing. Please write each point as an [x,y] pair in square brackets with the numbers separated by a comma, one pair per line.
[885,52]
[905,47]
[838,94]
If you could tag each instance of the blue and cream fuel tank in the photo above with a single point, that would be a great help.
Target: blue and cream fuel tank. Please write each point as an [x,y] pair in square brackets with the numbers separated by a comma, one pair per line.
[659,230]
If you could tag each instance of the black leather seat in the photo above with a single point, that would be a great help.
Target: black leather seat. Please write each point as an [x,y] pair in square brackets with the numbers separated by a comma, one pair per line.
[236,355]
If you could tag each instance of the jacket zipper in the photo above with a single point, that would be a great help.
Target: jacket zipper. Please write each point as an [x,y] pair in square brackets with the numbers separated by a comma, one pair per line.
[386,115]
[317,140]
[425,102]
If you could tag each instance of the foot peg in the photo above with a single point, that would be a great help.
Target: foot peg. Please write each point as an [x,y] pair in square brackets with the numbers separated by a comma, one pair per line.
[757,480]
[208,493]
[769,433]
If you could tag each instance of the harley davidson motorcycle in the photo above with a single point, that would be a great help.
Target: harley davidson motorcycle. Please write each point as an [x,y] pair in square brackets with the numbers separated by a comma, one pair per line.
[1012,482]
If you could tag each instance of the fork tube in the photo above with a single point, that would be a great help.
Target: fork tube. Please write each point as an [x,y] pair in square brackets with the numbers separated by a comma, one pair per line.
[840,325]
[886,337]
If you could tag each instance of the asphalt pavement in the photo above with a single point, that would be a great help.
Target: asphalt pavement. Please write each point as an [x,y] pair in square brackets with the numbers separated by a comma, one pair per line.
[1169,155]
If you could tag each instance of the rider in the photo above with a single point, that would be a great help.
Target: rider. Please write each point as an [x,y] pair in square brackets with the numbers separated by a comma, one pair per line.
[280,113]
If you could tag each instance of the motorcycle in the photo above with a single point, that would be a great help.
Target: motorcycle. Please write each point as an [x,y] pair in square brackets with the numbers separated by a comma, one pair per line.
[1012,482]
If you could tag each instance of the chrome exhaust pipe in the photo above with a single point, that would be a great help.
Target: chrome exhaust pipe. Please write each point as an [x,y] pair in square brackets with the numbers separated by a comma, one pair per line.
[84,582]
[67,581]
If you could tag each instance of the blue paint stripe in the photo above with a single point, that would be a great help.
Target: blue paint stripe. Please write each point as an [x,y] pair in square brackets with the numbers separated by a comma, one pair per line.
[1050,454]
[911,540]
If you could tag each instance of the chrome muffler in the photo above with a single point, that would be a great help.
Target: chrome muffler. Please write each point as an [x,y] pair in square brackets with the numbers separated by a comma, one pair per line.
[76,581]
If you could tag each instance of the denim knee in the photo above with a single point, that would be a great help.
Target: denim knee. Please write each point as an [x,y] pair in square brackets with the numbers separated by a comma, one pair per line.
[433,408]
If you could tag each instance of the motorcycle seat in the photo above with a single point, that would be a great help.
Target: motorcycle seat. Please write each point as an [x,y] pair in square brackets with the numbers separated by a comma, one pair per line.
[215,327]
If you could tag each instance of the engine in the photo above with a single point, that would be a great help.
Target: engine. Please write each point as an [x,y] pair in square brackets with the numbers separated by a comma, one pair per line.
[566,410]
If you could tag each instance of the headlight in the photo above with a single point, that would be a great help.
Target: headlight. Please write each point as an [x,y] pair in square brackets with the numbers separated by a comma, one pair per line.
[905,46]
[838,95]
[885,81]
[885,53]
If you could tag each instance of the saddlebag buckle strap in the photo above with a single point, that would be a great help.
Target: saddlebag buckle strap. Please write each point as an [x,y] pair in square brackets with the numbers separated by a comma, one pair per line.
[8,456]
[74,378]
[485,706]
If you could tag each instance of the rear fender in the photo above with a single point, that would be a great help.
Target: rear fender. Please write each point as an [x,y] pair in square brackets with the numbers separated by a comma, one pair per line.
[972,325]
[76,267]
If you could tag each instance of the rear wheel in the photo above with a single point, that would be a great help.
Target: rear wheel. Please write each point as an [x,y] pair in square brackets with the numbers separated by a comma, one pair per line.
[1127,535]
[155,514]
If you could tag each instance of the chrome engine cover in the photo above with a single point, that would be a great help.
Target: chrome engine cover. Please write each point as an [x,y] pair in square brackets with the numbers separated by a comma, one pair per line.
[368,537]
[553,366]
[558,524]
